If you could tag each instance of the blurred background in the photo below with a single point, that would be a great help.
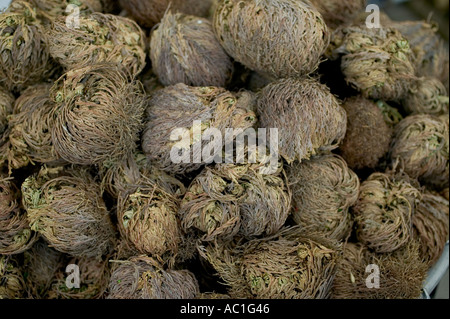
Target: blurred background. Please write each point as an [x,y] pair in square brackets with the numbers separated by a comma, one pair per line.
[401,10]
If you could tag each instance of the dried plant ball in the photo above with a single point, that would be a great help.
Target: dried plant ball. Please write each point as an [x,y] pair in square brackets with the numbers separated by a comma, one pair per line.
[384,211]
[276,38]
[368,135]
[147,218]
[337,13]
[98,115]
[431,224]
[94,279]
[184,49]
[401,273]
[15,233]
[228,200]
[431,54]
[66,207]
[41,263]
[421,142]
[144,278]
[30,136]
[150,12]
[132,172]
[290,265]
[100,38]
[25,55]
[377,62]
[12,284]
[6,109]
[323,189]
[427,96]
[173,141]
[308,117]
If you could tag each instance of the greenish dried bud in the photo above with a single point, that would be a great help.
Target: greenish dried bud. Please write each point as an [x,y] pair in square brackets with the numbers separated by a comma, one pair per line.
[15,233]
[25,56]
[290,265]
[384,211]
[378,62]
[421,142]
[427,95]
[66,207]
[100,38]
[12,284]
[178,107]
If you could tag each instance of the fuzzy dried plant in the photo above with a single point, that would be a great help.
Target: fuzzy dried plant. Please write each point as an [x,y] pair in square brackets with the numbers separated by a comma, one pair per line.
[15,233]
[421,142]
[24,49]
[337,13]
[377,62]
[66,207]
[12,283]
[427,96]
[308,117]
[323,190]
[368,135]
[184,49]
[99,38]
[384,211]
[177,107]
[98,115]
[290,265]
[276,38]
[144,278]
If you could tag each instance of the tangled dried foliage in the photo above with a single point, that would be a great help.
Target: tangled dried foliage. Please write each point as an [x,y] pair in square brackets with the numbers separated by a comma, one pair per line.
[12,284]
[98,115]
[402,273]
[50,10]
[427,95]
[391,114]
[66,207]
[337,13]
[377,62]
[228,200]
[184,49]
[100,38]
[323,190]
[150,12]
[148,221]
[212,296]
[368,135]
[41,264]
[144,278]
[431,55]
[15,233]
[308,117]
[431,223]
[94,280]
[23,47]
[421,142]
[276,38]
[179,106]
[132,172]
[150,81]
[30,138]
[384,210]
[289,265]
[6,109]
